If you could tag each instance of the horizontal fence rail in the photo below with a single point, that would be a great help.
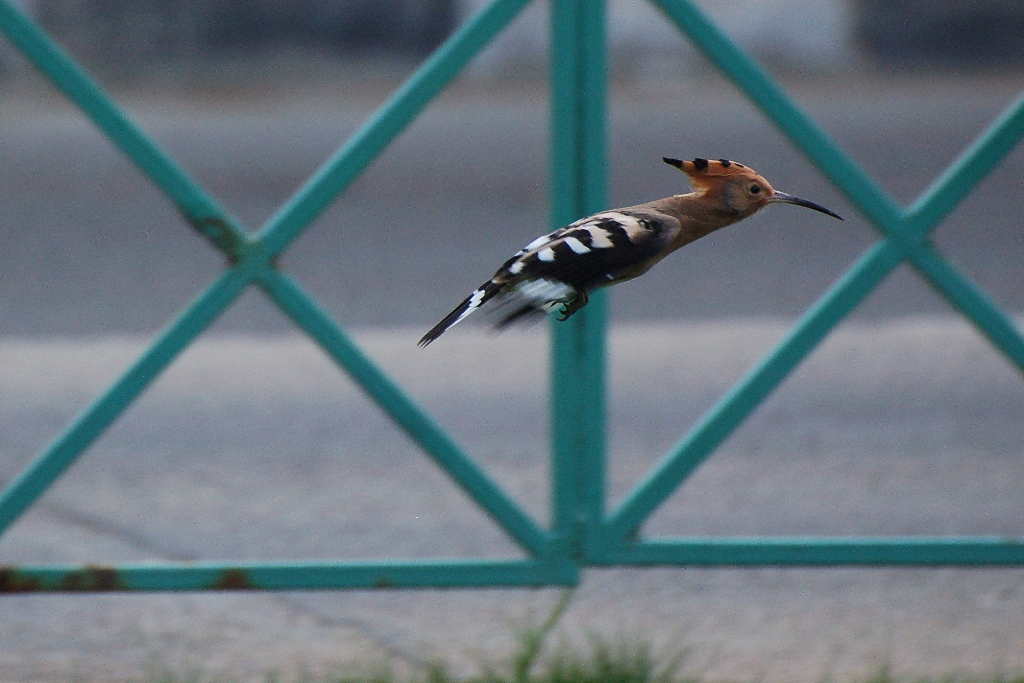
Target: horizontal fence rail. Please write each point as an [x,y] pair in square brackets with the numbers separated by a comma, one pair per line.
[581,532]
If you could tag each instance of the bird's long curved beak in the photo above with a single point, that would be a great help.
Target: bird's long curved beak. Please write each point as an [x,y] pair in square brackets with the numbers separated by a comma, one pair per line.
[783,198]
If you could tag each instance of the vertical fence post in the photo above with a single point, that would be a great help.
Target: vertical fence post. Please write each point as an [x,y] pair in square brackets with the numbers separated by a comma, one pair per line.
[578,72]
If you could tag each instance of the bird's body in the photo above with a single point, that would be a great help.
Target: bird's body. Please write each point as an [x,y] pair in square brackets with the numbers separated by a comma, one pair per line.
[560,269]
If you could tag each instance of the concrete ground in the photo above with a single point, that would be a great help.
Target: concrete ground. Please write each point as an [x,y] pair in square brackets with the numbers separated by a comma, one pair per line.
[253,447]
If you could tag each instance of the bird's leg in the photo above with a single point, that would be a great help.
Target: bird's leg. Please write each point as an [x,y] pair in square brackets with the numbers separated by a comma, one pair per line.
[576,303]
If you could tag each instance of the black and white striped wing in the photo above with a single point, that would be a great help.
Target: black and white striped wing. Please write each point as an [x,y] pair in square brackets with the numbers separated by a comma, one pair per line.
[595,251]
[560,266]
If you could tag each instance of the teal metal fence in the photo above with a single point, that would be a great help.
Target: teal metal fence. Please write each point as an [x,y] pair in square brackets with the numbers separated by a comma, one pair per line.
[581,532]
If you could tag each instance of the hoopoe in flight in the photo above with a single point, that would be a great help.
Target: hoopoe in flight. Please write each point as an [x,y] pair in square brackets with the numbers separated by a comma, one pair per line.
[560,269]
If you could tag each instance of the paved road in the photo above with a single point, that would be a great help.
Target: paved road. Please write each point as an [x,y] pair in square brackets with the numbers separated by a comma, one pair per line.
[464,188]
[251,448]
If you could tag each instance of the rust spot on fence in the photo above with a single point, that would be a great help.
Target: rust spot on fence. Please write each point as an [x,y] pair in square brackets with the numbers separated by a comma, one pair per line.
[89,578]
[93,578]
[383,582]
[233,580]
[216,229]
[11,581]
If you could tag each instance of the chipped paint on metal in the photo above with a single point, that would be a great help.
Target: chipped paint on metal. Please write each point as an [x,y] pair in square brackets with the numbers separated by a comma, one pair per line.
[86,579]
[234,580]
[93,578]
[13,581]
[220,233]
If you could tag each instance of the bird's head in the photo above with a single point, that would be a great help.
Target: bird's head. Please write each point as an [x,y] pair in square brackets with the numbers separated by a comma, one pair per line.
[736,188]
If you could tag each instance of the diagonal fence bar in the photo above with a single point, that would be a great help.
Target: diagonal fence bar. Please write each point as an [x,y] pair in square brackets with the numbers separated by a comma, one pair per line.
[719,423]
[392,118]
[986,316]
[198,207]
[95,419]
[253,257]
[305,313]
[747,395]
[976,162]
[935,203]
[758,87]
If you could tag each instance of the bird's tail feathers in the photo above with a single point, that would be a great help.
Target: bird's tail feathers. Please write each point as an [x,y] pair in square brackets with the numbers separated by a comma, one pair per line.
[527,301]
[478,298]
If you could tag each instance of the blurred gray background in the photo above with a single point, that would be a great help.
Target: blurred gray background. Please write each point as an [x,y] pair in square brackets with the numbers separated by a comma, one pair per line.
[254,447]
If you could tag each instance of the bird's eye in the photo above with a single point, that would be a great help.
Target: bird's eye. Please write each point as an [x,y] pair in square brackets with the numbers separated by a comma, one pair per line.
[755,189]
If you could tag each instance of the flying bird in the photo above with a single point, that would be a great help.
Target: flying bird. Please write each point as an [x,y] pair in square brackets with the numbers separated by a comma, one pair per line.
[557,272]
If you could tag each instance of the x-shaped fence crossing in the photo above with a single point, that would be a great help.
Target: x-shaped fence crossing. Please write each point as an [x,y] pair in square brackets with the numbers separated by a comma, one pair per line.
[581,532]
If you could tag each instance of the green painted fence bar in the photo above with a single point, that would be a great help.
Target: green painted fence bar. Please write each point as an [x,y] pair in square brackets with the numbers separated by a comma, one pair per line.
[315,321]
[760,551]
[66,448]
[367,143]
[901,244]
[747,395]
[577,189]
[773,102]
[580,533]
[950,188]
[192,201]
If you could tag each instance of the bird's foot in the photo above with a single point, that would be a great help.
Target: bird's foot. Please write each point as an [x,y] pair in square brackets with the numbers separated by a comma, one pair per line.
[573,305]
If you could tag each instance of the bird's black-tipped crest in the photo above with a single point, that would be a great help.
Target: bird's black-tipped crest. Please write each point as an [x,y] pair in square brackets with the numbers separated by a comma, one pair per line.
[700,163]
[672,162]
